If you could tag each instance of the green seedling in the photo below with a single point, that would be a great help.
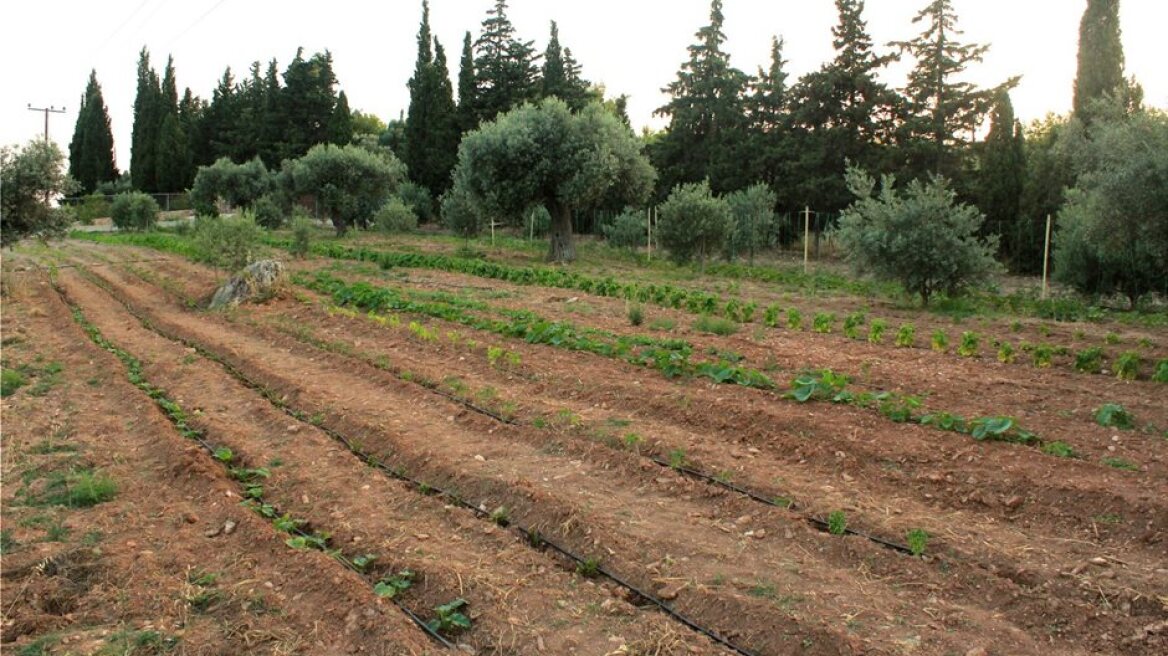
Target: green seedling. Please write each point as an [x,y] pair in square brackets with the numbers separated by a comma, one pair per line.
[1127,366]
[969,344]
[1113,415]
[940,341]
[1120,463]
[917,540]
[906,336]
[588,568]
[876,331]
[837,523]
[794,319]
[1058,449]
[450,617]
[390,586]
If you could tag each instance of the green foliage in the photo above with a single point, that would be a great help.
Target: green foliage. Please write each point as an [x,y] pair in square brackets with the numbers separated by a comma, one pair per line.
[693,222]
[1114,415]
[95,206]
[837,522]
[876,331]
[269,212]
[921,238]
[1089,360]
[906,335]
[1127,365]
[940,341]
[1001,177]
[1058,449]
[825,385]
[636,314]
[391,585]
[822,322]
[77,488]
[794,319]
[918,540]
[1120,463]
[752,212]
[1005,353]
[227,243]
[1161,374]
[302,229]
[431,127]
[544,154]
[134,211]
[1043,356]
[1100,70]
[1003,429]
[238,185]
[10,381]
[588,568]
[91,151]
[29,179]
[628,230]
[715,325]
[395,216]
[852,324]
[419,199]
[349,183]
[770,317]
[969,344]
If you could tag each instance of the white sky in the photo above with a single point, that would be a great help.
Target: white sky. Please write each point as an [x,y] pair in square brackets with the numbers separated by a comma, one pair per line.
[631,46]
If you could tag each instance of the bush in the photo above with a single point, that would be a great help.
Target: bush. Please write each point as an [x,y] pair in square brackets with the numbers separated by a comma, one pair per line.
[459,213]
[302,228]
[715,325]
[395,216]
[134,211]
[95,206]
[239,185]
[537,221]
[636,314]
[227,243]
[269,212]
[29,178]
[628,230]
[349,183]
[1089,360]
[921,238]
[906,335]
[752,223]
[418,199]
[693,223]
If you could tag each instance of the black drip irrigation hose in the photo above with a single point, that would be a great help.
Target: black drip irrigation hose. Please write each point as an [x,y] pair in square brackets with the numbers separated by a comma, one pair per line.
[197,436]
[531,536]
[810,519]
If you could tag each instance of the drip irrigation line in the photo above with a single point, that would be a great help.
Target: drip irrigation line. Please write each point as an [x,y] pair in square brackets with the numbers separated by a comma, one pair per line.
[811,519]
[197,435]
[531,536]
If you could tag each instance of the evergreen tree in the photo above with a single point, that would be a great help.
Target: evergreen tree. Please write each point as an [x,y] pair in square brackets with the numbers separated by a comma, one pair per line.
[341,122]
[431,130]
[1100,55]
[707,115]
[505,71]
[771,149]
[943,112]
[561,74]
[1002,176]
[841,113]
[467,114]
[171,146]
[190,116]
[308,102]
[91,151]
[768,102]
[144,138]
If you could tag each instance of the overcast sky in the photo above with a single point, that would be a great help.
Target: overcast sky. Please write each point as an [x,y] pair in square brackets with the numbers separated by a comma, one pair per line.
[631,46]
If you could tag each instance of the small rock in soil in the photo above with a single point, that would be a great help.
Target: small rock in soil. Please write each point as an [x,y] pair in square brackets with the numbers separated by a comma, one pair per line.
[258,279]
[229,527]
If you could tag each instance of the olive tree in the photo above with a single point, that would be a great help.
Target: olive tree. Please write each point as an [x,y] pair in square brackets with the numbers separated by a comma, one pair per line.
[350,183]
[921,238]
[239,185]
[30,178]
[753,224]
[694,222]
[544,154]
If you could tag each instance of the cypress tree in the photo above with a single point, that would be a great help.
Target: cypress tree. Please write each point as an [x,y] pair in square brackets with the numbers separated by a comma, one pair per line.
[943,112]
[308,102]
[1100,55]
[91,151]
[170,154]
[144,138]
[561,74]
[505,72]
[467,114]
[1002,175]
[431,130]
[341,122]
[707,115]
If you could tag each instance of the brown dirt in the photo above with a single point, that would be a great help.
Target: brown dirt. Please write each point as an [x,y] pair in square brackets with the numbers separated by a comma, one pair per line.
[1014,531]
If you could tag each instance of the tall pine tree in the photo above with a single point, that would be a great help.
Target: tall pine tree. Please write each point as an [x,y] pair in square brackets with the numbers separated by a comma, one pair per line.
[467,114]
[706,113]
[842,114]
[91,151]
[341,122]
[943,111]
[561,74]
[1100,55]
[431,131]
[505,71]
[771,148]
[171,147]
[1002,176]
[308,102]
[144,138]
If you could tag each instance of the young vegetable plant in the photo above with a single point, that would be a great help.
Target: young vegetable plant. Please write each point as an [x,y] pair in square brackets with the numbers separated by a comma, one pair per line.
[1058,449]
[940,341]
[1113,415]
[823,322]
[1127,366]
[969,344]
[770,318]
[636,314]
[794,319]
[837,523]
[1005,353]
[917,540]
[1161,375]
[450,617]
[1089,360]
[1043,356]
[906,335]
[852,324]
[391,585]
[876,331]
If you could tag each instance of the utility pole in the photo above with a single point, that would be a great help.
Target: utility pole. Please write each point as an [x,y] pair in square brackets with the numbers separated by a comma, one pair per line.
[51,109]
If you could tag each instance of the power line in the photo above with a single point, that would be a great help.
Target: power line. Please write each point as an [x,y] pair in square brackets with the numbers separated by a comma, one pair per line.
[192,25]
[123,25]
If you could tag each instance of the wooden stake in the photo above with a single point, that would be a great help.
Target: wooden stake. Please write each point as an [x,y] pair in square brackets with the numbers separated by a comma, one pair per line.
[1046,260]
[806,237]
[649,221]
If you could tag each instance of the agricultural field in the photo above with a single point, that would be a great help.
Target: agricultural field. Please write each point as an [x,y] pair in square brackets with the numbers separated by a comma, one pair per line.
[412,448]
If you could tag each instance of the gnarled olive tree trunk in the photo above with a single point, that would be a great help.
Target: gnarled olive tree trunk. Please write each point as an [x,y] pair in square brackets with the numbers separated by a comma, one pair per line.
[561,249]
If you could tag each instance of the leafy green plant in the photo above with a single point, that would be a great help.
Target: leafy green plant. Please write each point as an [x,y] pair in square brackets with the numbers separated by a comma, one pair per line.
[224,454]
[1058,449]
[917,540]
[78,488]
[770,317]
[837,523]
[1114,415]
[450,617]
[227,243]
[10,381]
[302,229]
[822,322]
[821,385]
[906,335]
[663,323]
[632,441]
[1004,429]
[391,585]
[945,421]
[588,568]
[969,344]
[1120,463]
[1111,338]
[1043,356]
[1089,360]
[1161,375]
[501,516]
[1127,366]
[794,319]
[363,562]
[134,211]
[715,325]
[1015,326]
[677,458]
[876,331]
[636,314]
[940,341]
[1005,353]
[852,324]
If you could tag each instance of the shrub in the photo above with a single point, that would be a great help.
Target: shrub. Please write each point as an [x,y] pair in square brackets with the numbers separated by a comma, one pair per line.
[395,216]
[134,211]
[269,212]
[1114,415]
[537,221]
[906,335]
[301,236]
[29,179]
[418,199]
[349,183]
[1089,360]
[627,231]
[940,341]
[794,319]
[715,325]
[1161,375]
[239,185]
[876,331]
[823,322]
[922,239]
[969,344]
[95,206]
[752,212]
[227,243]
[636,314]
[459,213]
[1127,367]
[693,223]
[1005,353]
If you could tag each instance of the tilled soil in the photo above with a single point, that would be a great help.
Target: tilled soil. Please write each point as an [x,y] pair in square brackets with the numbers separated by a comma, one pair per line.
[1028,553]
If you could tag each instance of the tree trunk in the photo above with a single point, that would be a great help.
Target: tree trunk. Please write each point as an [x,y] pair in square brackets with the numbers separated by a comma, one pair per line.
[561,249]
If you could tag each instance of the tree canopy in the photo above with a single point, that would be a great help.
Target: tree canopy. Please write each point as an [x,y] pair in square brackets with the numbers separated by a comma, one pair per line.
[91,151]
[30,179]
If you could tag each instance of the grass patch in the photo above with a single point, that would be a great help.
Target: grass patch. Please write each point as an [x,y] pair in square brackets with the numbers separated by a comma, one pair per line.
[1120,463]
[715,325]
[10,381]
[79,488]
